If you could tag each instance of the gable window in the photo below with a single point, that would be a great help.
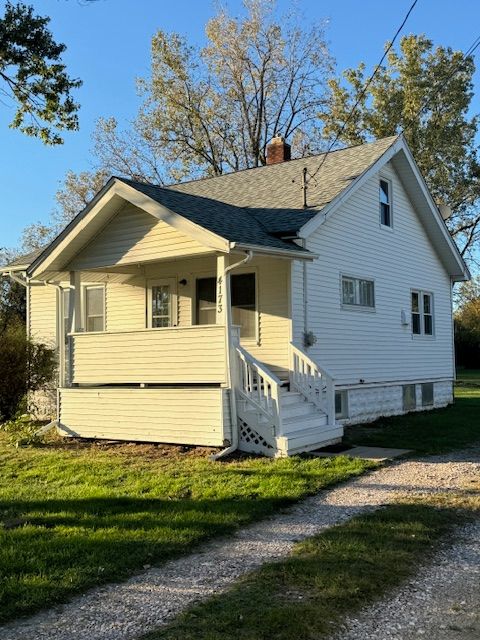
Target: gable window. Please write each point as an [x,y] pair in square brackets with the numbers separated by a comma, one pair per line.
[95,308]
[162,304]
[422,313]
[385,203]
[244,304]
[357,292]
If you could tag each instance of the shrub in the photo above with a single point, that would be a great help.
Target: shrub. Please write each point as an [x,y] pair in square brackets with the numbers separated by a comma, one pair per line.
[22,430]
[24,366]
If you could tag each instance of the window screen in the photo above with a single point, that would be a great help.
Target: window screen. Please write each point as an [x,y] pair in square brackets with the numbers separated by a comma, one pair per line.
[94,309]
[358,292]
[244,308]
[161,306]
[206,300]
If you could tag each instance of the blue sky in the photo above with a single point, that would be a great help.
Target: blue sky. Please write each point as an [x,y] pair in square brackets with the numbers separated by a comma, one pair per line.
[109,46]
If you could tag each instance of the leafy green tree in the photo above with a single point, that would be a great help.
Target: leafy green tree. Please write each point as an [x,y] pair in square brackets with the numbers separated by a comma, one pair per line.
[34,76]
[425,92]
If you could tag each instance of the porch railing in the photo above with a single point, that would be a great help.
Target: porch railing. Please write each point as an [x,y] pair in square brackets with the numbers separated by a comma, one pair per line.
[188,355]
[313,381]
[259,389]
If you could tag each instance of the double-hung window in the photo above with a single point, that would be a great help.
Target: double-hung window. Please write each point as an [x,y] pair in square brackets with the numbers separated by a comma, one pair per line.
[162,303]
[385,197]
[422,313]
[94,297]
[358,292]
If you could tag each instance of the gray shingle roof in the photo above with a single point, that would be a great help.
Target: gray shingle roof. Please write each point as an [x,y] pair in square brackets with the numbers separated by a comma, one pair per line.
[25,259]
[226,220]
[273,193]
[256,206]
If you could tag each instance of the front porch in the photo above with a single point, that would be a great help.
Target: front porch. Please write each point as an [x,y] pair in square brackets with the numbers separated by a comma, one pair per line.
[155,367]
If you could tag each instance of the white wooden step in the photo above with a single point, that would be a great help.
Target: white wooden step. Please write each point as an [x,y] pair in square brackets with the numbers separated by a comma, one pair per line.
[308,439]
[298,409]
[290,397]
[312,420]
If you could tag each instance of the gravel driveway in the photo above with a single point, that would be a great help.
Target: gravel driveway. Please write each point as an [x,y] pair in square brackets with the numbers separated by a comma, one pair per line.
[154,597]
[442,602]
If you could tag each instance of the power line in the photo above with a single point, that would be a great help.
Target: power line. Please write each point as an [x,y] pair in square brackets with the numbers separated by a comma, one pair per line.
[364,90]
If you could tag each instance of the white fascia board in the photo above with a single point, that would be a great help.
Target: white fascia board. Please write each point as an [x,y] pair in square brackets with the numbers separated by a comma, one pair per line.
[435,212]
[279,253]
[313,224]
[127,193]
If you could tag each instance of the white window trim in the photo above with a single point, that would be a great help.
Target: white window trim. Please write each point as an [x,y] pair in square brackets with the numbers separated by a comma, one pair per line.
[357,307]
[83,304]
[422,335]
[156,282]
[387,227]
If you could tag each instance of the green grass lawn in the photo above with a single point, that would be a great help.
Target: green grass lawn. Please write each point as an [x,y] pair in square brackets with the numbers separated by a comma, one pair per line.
[468,376]
[74,516]
[429,432]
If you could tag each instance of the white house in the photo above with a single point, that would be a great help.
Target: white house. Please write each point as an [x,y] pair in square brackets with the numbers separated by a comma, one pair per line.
[247,310]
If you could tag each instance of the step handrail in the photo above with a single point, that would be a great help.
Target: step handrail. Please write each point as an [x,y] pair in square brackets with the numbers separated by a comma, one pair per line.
[314,382]
[259,388]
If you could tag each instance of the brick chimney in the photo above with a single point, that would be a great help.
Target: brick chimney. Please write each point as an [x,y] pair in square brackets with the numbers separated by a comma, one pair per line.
[278,150]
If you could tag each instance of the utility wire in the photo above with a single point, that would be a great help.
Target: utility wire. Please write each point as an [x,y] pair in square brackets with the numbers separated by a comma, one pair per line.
[364,90]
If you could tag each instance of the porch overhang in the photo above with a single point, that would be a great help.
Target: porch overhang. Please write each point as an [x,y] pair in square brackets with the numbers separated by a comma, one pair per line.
[99,212]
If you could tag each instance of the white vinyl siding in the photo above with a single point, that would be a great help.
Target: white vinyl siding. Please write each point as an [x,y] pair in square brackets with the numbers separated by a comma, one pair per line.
[377,347]
[134,236]
[194,416]
[42,320]
[192,355]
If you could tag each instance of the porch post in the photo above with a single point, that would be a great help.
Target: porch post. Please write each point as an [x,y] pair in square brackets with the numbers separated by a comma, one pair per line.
[223,288]
[75,311]
[75,322]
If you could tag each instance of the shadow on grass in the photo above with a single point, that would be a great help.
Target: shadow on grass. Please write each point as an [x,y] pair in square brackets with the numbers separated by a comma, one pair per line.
[338,571]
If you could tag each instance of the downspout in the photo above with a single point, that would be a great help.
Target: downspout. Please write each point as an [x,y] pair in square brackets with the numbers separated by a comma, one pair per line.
[305,294]
[233,401]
